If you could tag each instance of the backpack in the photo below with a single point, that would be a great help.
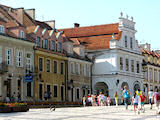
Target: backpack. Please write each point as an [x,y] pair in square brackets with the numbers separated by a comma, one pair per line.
[158,97]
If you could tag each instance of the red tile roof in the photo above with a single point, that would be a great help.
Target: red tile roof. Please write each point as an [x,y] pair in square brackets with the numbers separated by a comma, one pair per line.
[91,30]
[153,53]
[96,37]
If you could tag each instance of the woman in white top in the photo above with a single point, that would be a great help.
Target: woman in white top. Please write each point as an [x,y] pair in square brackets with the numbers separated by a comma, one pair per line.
[135,100]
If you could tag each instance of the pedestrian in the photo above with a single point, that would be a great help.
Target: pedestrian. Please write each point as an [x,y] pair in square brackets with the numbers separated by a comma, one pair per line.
[126,97]
[156,98]
[116,98]
[108,100]
[45,95]
[49,95]
[150,94]
[139,93]
[135,102]
[19,96]
[100,99]
[13,98]
[105,100]
[142,98]
[89,100]
[84,101]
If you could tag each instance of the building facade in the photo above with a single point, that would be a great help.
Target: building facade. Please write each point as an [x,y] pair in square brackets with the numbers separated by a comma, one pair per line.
[16,59]
[116,55]
[151,68]
[79,72]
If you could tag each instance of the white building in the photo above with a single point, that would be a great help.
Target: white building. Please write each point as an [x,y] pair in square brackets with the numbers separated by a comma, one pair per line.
[116,55]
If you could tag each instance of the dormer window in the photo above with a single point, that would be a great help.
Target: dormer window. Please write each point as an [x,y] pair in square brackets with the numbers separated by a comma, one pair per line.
[1,29]
[45,43]
[59,46]
[52,45]
[21,34]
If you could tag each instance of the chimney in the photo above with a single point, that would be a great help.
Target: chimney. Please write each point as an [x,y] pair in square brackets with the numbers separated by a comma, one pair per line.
[51,23]
[31,13]
[76,25]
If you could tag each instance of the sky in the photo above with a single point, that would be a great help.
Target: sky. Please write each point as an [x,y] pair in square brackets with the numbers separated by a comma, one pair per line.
[146,14]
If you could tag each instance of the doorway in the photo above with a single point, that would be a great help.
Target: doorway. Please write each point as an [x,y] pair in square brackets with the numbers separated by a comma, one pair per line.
[40,91]
[62,93]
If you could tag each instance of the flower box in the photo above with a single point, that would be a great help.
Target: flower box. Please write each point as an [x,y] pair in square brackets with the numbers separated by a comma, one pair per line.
[13,107]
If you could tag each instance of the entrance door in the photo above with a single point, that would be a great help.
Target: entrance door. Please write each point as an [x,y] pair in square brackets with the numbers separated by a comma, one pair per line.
[72,94]
[49,91]
[40,91]
[9,88]
[62,93]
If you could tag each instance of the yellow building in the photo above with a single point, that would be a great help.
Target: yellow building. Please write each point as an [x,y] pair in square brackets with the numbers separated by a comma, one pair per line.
[50,77]
[151,68]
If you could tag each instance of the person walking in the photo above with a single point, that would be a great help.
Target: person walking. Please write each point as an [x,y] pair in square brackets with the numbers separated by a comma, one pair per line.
[84,101]
[139,92]
[150,94]
[108,100]
[142,98]
[116,98]
[156,98]
[126,97]
[135,102]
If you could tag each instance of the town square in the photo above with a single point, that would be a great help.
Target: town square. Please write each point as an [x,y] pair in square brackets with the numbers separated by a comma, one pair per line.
[84,59]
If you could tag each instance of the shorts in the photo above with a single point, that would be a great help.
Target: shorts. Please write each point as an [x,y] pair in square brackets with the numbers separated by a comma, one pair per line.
[150,100]
[142,103]
[136,104]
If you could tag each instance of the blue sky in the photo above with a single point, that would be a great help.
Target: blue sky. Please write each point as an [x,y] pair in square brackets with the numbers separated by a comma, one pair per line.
[146,14]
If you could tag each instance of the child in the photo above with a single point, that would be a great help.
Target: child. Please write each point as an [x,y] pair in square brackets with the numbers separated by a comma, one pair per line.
[135,101]
[108,101]
[142,98]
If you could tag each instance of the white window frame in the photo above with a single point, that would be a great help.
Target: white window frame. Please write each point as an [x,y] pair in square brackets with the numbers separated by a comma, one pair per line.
[10,60]
[72,69]
[19,58]
[29,61]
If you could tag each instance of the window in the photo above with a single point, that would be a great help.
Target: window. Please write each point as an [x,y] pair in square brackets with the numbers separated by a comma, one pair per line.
[52,45]
[38,40]
[132,65]
[137,67]
[59,46]
[121,63]
[48,65]
[83,69]
[62,68]
[55,66]
[55,91]
[29,89]
[126,41]
[131,43]
[28,62]
[72,68]
[151,74]
[77,69]
[155,75]
[21,34]
[40,64]
[19,59]
[1,29]
[127,65]
[45,43]
[88,70]
[9,56]
[77,93]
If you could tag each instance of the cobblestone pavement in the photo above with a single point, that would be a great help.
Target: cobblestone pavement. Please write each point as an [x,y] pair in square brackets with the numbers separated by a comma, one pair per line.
[83,113]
